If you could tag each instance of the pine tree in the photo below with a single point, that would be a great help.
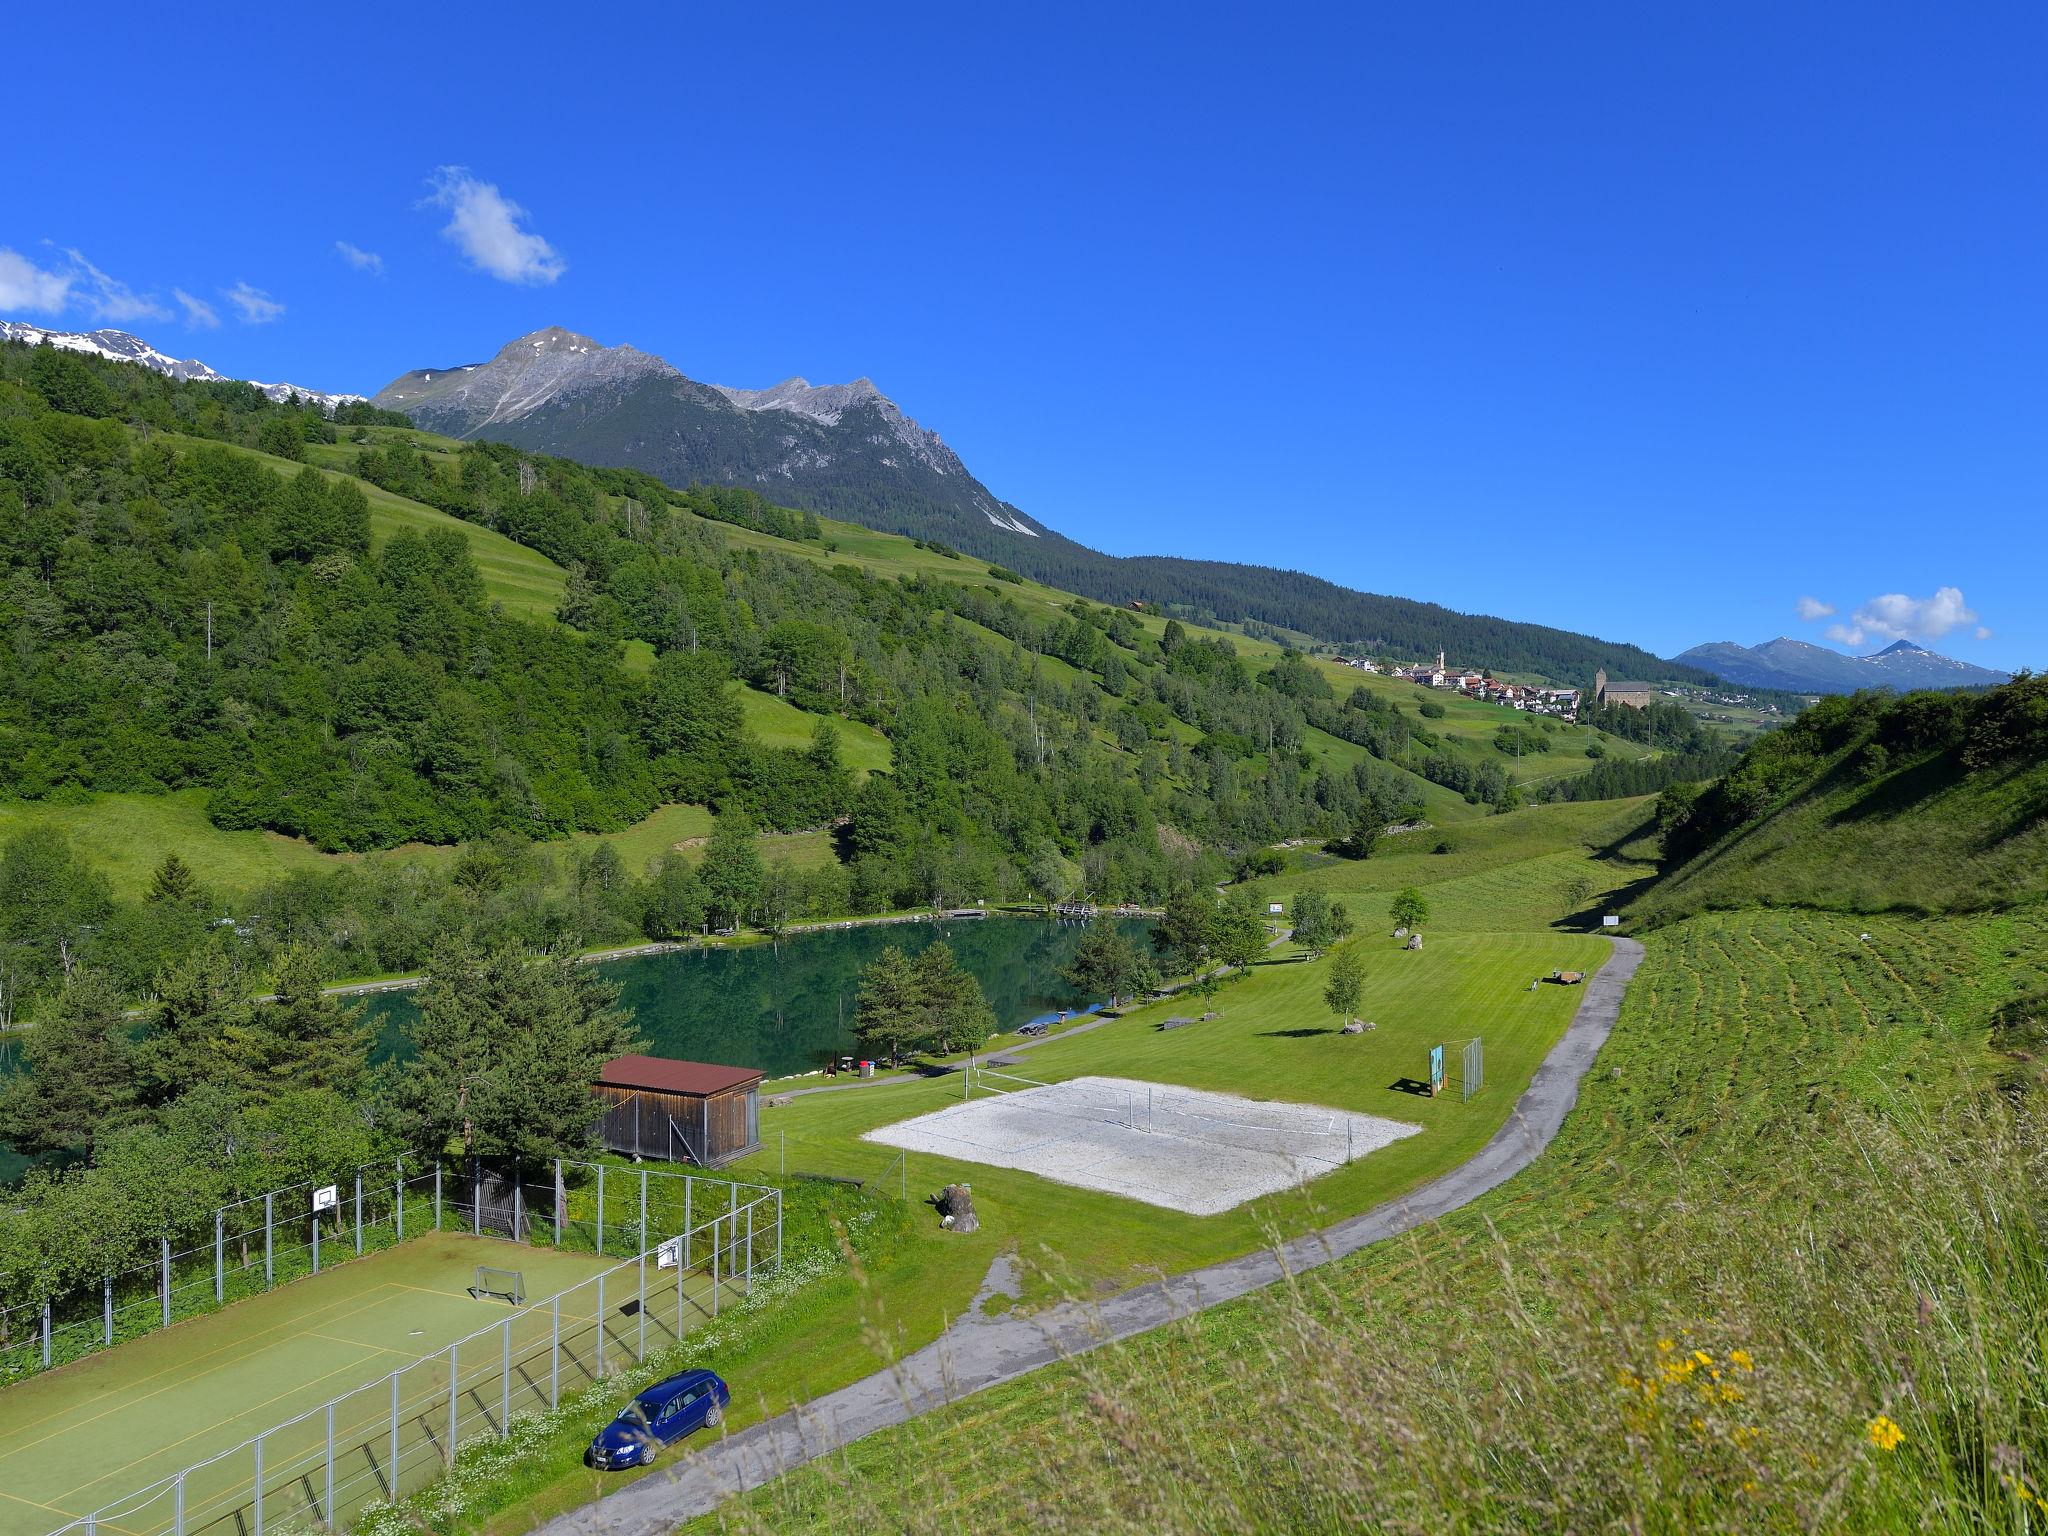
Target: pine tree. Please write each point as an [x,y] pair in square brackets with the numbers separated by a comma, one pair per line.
[302,1040]
[1108,965]
[78,1082]
[505,1052]
[173,880]
[203,1003]
[955,1011]
[732,873]
[885,1010]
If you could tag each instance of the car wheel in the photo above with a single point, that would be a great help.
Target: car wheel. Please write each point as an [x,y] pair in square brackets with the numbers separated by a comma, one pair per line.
[714,1416]
[650,1453]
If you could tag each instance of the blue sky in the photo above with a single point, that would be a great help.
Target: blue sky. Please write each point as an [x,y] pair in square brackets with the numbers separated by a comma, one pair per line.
[1637,321]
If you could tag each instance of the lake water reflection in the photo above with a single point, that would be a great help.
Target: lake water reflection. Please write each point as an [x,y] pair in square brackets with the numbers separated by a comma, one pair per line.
[788,1007]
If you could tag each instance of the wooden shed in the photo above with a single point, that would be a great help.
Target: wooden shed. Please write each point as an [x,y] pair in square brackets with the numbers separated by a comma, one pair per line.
[682,1111]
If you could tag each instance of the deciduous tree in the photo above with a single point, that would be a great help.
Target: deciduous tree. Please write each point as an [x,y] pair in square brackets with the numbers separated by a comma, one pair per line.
[1346,982]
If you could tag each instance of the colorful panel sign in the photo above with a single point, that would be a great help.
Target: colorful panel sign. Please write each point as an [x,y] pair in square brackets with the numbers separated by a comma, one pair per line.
[1436,1070]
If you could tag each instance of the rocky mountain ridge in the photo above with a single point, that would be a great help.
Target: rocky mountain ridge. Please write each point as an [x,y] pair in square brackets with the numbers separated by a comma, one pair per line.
[558,391]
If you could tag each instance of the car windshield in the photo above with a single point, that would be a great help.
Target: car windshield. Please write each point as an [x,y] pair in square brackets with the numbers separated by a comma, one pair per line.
[631,1414]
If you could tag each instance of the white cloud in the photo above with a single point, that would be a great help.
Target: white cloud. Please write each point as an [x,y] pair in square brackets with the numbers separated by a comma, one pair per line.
[1895,616]
[360,259]
[254,305]
[24,285]
[108,298]
[199,315]
[1983,632]
[484,223]
[1811,608]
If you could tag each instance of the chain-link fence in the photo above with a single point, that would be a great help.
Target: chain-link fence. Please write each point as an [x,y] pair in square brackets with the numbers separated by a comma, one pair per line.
[269,1239]
[393,1436]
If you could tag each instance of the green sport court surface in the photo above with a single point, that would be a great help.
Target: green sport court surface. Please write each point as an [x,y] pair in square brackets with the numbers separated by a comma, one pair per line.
[100,1429]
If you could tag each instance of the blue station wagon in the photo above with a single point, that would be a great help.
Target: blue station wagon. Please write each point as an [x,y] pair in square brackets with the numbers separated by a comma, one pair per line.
[659,1416]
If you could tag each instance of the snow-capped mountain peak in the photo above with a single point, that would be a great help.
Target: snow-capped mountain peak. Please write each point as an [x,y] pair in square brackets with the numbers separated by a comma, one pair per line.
[123,347]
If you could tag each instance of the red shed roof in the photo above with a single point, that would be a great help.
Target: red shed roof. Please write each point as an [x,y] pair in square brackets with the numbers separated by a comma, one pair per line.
[660,1075]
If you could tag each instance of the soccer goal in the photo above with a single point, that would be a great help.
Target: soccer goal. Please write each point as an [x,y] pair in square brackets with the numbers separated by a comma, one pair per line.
[507,1283]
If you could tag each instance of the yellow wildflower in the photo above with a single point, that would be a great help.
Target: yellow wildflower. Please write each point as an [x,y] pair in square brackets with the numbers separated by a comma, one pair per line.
[1883,1433]
[1741,1360]
[1730,1393]
[1665,1346]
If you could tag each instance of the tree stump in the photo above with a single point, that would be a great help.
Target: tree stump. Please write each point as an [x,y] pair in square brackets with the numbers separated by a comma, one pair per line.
[956,1208]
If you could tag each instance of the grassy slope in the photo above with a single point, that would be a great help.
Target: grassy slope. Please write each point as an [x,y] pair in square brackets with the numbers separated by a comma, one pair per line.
[1468,1378]
[1509,873]
[527,582]
[1921,838]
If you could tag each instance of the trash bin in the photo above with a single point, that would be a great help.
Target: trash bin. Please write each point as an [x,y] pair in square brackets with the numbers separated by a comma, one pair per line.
[867,1069]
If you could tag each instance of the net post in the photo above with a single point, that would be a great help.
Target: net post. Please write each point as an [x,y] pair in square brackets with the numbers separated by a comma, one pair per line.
[600,1208]
[391,1473]
[316,1242]
[778,1230]
[476,1196]
[398,1201]
[437,1194]
[689,1189]
[749,1286]
[359,1231]
[518,1205]
[555,1350]
[561,1203]
[107,1310]
[505,1381]
[714,1263]
[329,1464]
[454,1372]
[219,1256]
[681,1272]
[166,1283]
[600,1324]
[178,1506]
[269,1270]
[640,1270]
[46,1335]
[258,1485]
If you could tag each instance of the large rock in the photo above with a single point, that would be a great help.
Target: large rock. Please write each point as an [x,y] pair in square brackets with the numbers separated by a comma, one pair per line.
[956,1208]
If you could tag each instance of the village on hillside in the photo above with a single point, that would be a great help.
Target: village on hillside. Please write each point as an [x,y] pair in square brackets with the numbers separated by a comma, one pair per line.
[1488,689]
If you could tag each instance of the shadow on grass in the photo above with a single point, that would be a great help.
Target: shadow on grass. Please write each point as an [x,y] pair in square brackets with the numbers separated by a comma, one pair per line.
[1410,1085]
[1295,1034]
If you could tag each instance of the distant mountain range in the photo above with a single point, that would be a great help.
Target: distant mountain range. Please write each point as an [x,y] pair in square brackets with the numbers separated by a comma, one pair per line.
[848,451]
[124,348]
[1798,666]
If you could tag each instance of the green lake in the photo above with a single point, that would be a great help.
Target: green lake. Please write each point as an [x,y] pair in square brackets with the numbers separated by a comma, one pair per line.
[788,1007]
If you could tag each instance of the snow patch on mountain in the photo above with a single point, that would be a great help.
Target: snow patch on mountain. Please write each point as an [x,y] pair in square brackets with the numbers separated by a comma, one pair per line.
[122,347]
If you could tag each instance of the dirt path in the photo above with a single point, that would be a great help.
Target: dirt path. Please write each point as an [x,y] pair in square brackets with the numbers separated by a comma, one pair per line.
[980,1351]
